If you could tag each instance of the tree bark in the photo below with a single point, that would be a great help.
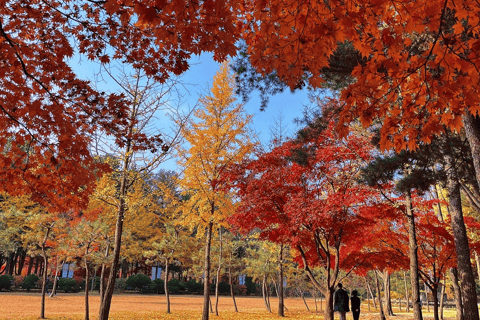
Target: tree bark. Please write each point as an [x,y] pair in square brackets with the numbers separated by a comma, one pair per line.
[45,273]
[471,124]
[467,280]
[458,293]
[219,269]
[371,293]
[87,278]
[206,271]
[55,280]
[21,262]
[265,293]
[442,297]
[388,297]
[382,314]
[413,248]
[165,284]
[30,265]
[230,280]
[281,309]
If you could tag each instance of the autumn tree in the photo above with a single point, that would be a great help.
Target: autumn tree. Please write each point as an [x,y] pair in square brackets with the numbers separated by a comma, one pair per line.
[137,150]
[305,193]
[217,138]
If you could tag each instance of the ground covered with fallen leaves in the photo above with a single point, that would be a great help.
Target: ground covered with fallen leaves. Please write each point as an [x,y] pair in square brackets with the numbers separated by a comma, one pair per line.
[25,306]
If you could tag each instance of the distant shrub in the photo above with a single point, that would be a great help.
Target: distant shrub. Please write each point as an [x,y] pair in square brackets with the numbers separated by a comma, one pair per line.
[223,288]
[68,285]
[138,281]
[175,286]
[194,286]
[159,286]
[251,287]
[6,282]
[30,282]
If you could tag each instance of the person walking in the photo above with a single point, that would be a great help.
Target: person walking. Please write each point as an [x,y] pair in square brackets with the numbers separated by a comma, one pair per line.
[340,302]
[355,303]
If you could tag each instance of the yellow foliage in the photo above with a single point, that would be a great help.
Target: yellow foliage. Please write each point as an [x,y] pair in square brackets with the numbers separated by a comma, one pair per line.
[217,139]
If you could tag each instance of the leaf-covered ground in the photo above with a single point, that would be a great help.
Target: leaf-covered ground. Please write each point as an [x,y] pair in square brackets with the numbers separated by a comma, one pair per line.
[23,306]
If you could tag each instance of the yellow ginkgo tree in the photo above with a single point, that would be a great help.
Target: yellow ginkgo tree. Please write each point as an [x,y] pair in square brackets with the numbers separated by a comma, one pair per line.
[216,138]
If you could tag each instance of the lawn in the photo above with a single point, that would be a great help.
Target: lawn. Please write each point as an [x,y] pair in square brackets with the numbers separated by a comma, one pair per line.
[142,307]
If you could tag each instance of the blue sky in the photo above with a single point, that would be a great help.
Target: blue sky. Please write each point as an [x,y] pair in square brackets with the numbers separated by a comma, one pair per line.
[199,79]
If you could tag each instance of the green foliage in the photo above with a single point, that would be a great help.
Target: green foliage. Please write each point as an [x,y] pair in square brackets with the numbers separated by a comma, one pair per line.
[175,286]
[6,282]
[138,281]
[120,284]
[29,282]
[68,285]
[251,287]
[194,286]
[223,288]
[159,286]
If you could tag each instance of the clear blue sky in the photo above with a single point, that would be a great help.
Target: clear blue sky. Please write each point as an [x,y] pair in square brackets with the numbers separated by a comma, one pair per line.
[199,79]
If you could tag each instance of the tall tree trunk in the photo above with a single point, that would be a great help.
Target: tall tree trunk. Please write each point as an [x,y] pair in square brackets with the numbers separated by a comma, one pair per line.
[87,278]
[281,309]
[264,294]
[458,293]
[9,266]
[44,289]
[406,290]
[371,293]
[21,262]
[435,301]
[30,265]
[45,273]
[104,270]
[55,280]
[426,298]
[388,296]
[165,283]
[230,280]
[477,262]
[442,297]
[467,280]
[218,271]
[304,301]
[329,303]
[37,261]
[206,271]
[380,304]
[472,132]
[413,248]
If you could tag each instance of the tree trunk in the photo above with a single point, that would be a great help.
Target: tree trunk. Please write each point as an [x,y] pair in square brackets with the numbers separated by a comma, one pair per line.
[9,266]
[458,293]
[329,303]
[371,294]
[406,290]
[219,269]
[37,261]
[102,273]
[281,311]
[304,301]
[413,248]
[21,262]
[30,265]
[388,297]
[264,294]
[426,298]
[472,132]
[165,284]
[55,280]
[87,278]
[380,304]
[467,280]
[45,273]
[44,288]
[442,299]
[435,301]
[206,271]
[230,280]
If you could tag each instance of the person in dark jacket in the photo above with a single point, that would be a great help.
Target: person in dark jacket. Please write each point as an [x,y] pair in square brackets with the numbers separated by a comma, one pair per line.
[340,302]
[355,303]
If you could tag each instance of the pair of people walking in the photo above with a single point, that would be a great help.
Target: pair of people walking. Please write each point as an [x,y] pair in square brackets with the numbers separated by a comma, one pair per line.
[340,303]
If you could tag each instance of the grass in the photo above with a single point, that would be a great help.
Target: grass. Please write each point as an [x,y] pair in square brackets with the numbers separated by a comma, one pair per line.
[25,306]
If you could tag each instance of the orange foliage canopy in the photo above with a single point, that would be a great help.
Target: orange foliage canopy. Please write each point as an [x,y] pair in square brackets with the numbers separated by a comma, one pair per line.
[422,58]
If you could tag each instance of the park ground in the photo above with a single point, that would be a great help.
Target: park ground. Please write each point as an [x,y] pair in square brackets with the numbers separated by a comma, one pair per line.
[24,306]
